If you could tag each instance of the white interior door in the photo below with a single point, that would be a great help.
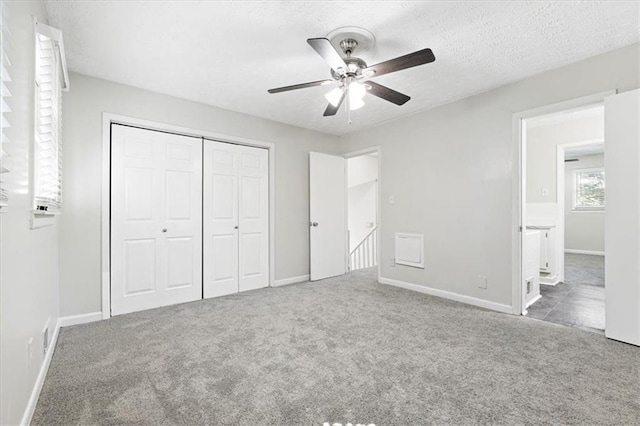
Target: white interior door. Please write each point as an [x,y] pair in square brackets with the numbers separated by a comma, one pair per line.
[327,214]
[622,229]
[236,218]
[156,219]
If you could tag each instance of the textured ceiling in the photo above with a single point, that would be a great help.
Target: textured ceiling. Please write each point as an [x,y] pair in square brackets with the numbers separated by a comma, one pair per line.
[228,53]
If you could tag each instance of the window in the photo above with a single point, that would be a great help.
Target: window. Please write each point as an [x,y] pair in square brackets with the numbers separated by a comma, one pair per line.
[588,189]
[50,79]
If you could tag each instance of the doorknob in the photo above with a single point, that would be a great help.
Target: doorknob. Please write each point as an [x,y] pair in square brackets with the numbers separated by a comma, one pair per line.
[235,227]
[313,223]
[164,229]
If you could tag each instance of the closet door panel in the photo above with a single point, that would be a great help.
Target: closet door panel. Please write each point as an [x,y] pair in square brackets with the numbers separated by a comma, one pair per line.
[220,219]
[236,218]
[155,203]
[253,174]
[182,219]
[136,200]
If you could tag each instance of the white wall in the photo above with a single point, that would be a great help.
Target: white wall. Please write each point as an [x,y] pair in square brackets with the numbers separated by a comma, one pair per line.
[28,257]
[89,97]
[582,230]
[362,181]
[542,146]
[451,172]
[362,169]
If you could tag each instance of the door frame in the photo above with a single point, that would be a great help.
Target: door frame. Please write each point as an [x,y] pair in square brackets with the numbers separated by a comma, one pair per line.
[370,150]
[518,199]
[105,230]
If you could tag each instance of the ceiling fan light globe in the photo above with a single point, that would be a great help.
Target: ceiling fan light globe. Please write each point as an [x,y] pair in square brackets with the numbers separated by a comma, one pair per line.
[355,104]
[334,96]
[356,92]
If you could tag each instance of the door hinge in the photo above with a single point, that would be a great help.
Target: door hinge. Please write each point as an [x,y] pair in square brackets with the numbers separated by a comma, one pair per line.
[520,229]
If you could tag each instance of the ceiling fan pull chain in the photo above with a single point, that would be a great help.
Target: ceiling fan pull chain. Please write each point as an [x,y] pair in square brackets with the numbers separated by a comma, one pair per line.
[347,105]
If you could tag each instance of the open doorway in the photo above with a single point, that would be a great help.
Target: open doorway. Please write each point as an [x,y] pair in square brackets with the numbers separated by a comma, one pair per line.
[564,203]
[362,210]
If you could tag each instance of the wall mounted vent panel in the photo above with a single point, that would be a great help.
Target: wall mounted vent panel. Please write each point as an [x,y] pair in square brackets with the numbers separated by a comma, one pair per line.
[409,250]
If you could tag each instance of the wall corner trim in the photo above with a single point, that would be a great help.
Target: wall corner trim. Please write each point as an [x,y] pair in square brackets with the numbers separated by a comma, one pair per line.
[79,319]
[505,309]
[292,280]
[42,374]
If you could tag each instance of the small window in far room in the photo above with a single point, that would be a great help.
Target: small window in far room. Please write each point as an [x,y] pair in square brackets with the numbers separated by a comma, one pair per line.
[588,194]
[50,79]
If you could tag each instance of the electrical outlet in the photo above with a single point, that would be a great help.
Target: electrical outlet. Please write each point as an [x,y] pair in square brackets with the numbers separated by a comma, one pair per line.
[392,262]
[30,353]
[45,336]
[482,282]
[392,199]
[45,341]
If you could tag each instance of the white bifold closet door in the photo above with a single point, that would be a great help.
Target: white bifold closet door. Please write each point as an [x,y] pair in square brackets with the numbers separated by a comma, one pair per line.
[156,219]
[236,218]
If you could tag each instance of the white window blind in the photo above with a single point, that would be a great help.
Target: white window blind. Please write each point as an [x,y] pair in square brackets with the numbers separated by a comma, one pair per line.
[589,189]
[51,78]
[6,110]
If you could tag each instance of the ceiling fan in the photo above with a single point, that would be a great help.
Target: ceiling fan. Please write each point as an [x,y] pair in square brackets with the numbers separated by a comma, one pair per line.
[352,74]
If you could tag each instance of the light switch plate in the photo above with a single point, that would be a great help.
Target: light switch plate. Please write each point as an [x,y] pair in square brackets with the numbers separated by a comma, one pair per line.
[482,282]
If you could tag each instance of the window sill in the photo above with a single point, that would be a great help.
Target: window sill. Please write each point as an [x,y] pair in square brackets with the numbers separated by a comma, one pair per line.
[39,220]
[580,211]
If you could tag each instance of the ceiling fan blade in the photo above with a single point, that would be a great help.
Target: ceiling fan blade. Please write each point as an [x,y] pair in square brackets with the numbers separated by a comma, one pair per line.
[332,110]
[325,49]
[414,59]
[299,86]
[387,94]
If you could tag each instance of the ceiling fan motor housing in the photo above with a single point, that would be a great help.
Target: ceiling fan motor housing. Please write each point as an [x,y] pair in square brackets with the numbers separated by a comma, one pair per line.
[355,65]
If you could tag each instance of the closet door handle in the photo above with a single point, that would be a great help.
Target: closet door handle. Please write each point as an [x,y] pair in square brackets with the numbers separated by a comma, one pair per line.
[164,229]
[235,227]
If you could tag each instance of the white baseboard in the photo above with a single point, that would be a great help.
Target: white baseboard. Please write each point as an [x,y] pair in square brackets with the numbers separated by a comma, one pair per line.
[506,309]
[592,252]
[553,280]
[292,280]
[534,300]
[79,319]
[42,374]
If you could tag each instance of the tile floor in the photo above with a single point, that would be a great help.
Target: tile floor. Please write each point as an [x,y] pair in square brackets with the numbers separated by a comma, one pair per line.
[577,302]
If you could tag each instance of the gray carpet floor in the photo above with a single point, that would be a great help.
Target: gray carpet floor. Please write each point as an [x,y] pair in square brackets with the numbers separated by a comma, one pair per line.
[340,350]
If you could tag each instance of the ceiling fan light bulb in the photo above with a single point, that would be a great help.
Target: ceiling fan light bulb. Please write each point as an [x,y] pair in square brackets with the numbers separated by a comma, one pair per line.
[356,91]
[334,96]
[355,104]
